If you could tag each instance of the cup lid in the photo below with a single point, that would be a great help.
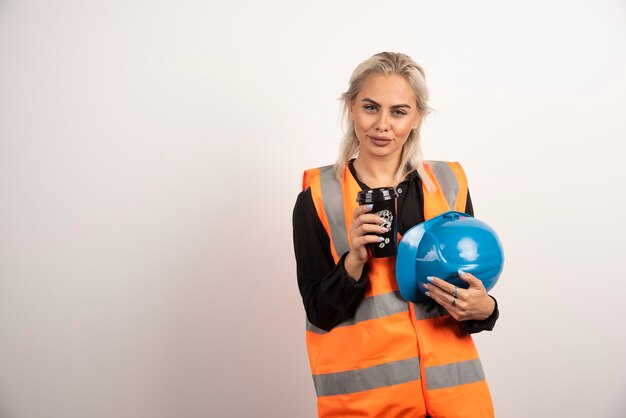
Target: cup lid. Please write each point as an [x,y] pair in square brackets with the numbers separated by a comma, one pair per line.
[376,195]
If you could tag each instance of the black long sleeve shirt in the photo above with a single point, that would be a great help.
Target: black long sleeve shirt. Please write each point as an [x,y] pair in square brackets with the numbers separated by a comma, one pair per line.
[329,294]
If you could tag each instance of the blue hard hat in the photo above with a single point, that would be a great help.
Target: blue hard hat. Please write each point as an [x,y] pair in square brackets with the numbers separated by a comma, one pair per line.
[440,247]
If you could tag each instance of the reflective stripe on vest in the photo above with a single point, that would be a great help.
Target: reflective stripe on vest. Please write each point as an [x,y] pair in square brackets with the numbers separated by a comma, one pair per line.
[447,181]
[393,373]
[369,378]
[371,308]
[384,305]
[333,205]
[455,374]
[327,195]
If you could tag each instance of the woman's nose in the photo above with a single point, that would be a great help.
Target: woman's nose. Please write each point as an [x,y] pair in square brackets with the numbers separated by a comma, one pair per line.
[382,124]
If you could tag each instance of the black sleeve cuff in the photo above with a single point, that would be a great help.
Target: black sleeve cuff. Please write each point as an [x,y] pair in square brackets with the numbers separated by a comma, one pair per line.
[474,326]
[363,280]
[342,291]
[338,297]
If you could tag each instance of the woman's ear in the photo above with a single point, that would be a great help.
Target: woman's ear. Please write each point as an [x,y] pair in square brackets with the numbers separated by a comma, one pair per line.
[417,121]
[351,107]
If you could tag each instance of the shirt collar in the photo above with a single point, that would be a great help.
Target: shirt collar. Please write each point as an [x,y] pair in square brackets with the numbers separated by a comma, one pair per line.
[412,176]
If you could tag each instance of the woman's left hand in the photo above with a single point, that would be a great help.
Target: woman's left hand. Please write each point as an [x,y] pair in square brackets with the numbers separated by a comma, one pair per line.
[471,303]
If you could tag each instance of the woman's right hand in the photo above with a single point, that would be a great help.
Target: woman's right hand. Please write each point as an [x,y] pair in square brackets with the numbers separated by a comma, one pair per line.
[363,225]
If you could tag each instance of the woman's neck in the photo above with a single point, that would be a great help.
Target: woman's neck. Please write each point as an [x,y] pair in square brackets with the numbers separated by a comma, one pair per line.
[377,173]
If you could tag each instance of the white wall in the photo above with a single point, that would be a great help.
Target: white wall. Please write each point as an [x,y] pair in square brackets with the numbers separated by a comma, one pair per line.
[151,153]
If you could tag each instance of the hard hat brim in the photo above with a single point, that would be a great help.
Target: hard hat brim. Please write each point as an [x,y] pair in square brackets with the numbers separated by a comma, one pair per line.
[406,274]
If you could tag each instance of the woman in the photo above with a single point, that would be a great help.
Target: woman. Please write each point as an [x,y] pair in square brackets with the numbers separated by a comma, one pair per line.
[372,353]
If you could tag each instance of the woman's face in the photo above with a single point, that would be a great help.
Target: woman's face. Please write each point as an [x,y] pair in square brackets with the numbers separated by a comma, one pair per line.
[384,112]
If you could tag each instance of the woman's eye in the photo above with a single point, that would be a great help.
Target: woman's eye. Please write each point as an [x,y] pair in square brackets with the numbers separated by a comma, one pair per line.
[369,107]
[400,112]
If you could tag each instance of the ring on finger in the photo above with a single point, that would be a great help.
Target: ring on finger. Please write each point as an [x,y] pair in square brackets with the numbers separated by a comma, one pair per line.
[454,301]
[454,292]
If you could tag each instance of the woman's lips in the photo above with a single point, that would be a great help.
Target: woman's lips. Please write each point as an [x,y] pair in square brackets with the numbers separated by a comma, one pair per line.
[380,141]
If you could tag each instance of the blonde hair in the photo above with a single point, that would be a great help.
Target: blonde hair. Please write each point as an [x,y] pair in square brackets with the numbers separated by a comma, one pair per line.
[388,63]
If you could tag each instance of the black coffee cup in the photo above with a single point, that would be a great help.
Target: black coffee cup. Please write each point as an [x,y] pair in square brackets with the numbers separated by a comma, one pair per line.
[384,201]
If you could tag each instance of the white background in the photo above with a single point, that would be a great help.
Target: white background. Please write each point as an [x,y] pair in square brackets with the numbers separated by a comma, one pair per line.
[151,153]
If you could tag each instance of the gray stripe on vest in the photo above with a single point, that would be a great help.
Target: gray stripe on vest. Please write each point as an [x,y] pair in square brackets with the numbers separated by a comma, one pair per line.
[371,308]
[352,381]
[429,310]
[332,197]
[455,374]
[447,180]
[313,328]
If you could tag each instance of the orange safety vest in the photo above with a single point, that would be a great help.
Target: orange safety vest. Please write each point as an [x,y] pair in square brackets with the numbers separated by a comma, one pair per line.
[393,358]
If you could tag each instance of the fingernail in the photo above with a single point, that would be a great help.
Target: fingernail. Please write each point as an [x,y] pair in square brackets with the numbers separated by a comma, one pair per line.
[427,294]
[425,286]
[381,220]
[382,228]
[369,206]
[461,272]
[381,239]
[429,278]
